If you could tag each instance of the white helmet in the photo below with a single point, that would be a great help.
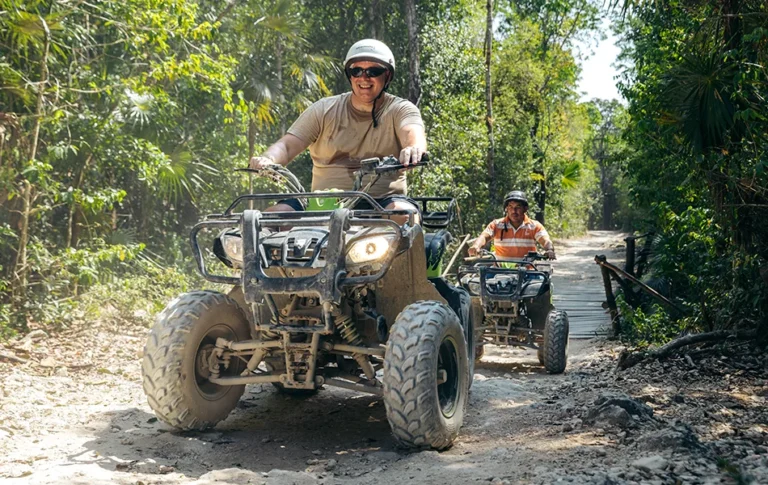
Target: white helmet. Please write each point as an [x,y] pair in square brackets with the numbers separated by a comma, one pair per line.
[371,50]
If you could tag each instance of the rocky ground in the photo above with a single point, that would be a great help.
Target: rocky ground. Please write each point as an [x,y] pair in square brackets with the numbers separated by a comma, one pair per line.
[74,412]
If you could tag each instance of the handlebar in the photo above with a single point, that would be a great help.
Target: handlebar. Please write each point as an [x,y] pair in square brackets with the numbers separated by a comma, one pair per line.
[485,255]
[368,166]
[379,166]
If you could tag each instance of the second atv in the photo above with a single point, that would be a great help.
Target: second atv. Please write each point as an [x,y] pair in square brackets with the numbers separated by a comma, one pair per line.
[513,300]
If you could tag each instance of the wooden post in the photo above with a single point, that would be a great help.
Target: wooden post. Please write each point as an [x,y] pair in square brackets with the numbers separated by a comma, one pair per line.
[610,300]
[642,261]
[629,263]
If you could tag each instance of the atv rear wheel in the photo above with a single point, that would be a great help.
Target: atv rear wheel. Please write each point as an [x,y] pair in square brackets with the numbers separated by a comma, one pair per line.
[555,344]
[175,364]
[426,378]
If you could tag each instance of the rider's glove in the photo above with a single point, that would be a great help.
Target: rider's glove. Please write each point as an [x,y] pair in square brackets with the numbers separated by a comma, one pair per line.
[551,254]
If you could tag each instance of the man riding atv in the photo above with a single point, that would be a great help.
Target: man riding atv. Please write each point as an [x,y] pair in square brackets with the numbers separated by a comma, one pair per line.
[515,234]
[326,294]
[513,288]
[342,130]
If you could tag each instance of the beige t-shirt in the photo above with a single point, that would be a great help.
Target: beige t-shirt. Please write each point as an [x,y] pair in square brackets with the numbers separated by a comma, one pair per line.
[339,136]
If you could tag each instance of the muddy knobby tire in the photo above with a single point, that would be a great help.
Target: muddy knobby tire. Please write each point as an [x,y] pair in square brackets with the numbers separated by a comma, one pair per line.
[178,393]
[555,345]
[421,413]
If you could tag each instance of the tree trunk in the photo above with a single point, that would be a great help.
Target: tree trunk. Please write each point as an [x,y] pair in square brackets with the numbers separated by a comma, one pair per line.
[279,68]
[251,135]
[73,206]
[541,196]
[373,15]
[489,103]
[20,267]
[414,77]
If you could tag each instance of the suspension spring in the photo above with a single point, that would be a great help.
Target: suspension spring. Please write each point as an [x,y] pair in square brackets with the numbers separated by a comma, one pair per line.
[349,333]
[347,330]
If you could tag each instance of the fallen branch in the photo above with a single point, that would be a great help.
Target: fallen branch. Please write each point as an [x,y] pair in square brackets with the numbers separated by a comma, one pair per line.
[12,358]
[628,359]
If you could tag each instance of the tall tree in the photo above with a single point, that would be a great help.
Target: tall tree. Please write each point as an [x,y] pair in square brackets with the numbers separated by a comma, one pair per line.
[414,72]
[490,157]
[556,26]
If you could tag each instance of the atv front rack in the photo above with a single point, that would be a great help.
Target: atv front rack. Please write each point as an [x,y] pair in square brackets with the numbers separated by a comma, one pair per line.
[487,269]
[329,280]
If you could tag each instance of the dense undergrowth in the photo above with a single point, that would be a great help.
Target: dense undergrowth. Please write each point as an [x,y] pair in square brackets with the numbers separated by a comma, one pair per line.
[717,285]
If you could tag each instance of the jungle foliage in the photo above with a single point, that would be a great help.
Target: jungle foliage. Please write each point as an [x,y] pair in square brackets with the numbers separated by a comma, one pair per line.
[121,124]
[698,140]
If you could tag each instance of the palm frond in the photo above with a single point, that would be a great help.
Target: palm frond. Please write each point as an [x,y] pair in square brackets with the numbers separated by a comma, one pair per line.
[12,83]
[698,99]
[571,175]
[264,113]
[139,106]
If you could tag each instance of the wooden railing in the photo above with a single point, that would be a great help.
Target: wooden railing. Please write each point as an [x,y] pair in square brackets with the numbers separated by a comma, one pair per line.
[628,278]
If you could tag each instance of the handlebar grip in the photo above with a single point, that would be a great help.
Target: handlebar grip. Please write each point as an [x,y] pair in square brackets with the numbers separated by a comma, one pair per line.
[391,168]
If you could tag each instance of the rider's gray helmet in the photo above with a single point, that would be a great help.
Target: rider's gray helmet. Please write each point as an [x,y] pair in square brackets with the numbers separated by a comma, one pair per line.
[517,196]
[371,50]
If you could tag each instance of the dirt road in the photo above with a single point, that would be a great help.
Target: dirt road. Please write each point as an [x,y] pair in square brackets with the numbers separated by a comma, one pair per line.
[78,416]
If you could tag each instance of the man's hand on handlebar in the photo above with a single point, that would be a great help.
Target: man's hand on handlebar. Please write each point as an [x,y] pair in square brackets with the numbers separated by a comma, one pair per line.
[475,252]
[550,254]
[410,155]
[260,162]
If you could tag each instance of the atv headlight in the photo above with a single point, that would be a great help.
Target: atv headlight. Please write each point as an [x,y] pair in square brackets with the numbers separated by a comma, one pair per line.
[368,249]
[471,283]
[233,248]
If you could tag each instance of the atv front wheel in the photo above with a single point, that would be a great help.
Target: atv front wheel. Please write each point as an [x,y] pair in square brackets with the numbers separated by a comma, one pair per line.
[175,365]
[426,379]
[555,345]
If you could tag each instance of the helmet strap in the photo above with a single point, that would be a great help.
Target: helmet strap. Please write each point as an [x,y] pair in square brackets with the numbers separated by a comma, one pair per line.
[373,111]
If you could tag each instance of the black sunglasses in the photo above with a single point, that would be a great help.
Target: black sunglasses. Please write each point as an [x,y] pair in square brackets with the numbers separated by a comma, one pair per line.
[368,71]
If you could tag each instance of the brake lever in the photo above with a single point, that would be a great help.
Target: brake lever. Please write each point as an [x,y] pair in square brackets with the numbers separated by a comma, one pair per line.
[256,170]
[391,164]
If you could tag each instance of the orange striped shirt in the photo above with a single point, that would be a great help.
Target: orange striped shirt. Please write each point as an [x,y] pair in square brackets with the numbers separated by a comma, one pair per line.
[509,242]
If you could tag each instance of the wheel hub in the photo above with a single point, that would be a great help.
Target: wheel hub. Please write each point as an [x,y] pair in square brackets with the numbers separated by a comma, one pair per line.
[448,374]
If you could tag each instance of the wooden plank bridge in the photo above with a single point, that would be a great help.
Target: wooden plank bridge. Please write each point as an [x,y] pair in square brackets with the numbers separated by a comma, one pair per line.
[583,304]
[578,283]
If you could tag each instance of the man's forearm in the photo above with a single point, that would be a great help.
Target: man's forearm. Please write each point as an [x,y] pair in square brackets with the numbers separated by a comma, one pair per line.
[277,152]
[285,149]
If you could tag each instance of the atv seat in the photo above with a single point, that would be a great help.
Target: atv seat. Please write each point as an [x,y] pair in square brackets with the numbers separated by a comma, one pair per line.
[435,245]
